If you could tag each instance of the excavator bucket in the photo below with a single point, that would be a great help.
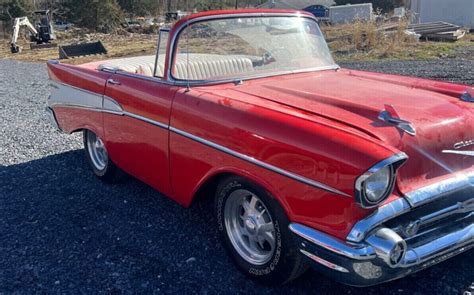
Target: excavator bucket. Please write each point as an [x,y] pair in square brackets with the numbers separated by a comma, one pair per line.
[75,50]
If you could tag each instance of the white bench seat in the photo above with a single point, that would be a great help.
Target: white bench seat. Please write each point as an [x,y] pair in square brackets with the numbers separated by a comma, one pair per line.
[200,66]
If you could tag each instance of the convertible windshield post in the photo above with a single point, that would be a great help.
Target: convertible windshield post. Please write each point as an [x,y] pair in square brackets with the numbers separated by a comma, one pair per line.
[161,50]
[248,46]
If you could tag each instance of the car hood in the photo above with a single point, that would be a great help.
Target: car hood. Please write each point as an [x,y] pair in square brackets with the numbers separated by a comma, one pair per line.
[441,119]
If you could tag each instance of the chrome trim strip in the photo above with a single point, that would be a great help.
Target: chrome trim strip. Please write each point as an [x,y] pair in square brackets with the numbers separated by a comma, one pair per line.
[75,106]
[56,84]
[324,262]
[384,213]
[109,105]
[331,244]
[398,159]
[440,189]
[462,153]
[147,120]
[259,163]
[440,246]
[236,15]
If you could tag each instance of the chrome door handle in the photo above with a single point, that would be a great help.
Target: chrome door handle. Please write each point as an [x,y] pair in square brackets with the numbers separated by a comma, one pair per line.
[113,82]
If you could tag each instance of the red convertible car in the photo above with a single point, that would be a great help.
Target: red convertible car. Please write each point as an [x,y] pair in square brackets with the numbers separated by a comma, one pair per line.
[366,177]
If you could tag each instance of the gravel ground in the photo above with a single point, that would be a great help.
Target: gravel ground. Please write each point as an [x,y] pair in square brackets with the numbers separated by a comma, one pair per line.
[62,230]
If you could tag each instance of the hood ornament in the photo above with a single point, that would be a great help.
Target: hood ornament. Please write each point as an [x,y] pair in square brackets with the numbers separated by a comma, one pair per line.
[390,116]
[459,145]
[468,95]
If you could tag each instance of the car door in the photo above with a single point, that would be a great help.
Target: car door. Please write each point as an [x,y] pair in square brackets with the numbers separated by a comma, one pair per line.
[137,136]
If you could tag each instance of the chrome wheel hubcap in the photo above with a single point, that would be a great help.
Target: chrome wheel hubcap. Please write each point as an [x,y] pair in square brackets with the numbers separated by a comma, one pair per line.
[250,227]
[97,151]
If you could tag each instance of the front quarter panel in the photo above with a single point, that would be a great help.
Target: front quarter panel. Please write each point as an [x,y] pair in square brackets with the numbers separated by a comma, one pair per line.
[314,151]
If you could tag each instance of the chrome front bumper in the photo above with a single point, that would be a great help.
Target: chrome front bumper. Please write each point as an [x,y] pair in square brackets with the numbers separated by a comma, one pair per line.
[428,230]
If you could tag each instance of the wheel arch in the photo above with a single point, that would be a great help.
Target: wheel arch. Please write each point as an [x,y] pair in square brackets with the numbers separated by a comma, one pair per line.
[206,188]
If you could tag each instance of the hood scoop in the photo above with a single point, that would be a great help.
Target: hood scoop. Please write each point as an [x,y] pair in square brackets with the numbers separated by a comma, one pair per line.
[390,116]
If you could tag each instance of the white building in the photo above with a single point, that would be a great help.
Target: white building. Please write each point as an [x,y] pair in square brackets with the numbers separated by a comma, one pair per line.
[294,4]
[458,12]
[350,13]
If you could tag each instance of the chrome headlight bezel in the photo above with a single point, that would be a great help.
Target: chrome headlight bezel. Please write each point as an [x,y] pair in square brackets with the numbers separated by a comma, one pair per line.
[393,163]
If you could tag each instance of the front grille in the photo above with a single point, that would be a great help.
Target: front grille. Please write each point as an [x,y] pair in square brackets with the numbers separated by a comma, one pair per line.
[436,218]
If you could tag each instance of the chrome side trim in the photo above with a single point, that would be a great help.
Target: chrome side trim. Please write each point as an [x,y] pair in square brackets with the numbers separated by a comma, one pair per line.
[462,153]
[75,106]
[70,95]
[396,160]
[147,120]
[324,262]
[329,243]
[440,189]
[109,105]
[384,213]
[259,163]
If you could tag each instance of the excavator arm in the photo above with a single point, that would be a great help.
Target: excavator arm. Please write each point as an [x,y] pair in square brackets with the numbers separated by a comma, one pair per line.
[21,22]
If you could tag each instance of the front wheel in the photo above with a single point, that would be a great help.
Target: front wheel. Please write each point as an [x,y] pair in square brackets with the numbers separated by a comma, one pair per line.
[98,158]
[254,230]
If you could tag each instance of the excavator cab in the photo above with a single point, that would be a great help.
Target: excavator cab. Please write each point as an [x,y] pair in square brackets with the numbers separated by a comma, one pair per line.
[41,34]
[44,27]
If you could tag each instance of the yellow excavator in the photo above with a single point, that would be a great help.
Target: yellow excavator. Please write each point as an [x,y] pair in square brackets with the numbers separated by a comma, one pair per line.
[41,35]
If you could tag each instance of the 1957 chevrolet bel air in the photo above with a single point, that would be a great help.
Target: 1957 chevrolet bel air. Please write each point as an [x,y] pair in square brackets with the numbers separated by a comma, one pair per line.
[366,177]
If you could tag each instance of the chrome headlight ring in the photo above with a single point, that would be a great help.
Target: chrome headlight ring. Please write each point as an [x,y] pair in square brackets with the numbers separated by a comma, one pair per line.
[389,165]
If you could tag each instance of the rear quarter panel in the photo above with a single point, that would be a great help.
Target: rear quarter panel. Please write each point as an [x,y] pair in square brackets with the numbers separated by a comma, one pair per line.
[79,87]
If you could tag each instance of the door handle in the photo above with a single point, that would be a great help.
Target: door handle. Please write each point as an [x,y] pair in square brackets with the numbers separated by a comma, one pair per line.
[113,82]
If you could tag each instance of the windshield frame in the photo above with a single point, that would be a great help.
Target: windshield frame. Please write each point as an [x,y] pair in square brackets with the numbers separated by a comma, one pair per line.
[189,22]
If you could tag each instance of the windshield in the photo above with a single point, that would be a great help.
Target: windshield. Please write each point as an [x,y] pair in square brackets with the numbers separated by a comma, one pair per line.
[237,48]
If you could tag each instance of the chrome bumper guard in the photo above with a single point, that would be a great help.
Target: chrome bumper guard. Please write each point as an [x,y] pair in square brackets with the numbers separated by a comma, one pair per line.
[397,240]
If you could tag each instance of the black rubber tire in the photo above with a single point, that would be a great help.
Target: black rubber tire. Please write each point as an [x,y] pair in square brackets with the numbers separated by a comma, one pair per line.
[287,262]
[111,173]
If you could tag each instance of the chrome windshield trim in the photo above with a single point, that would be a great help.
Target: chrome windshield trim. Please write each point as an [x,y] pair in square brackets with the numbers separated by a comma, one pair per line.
[329,243]
[440,189]
[381,215]
[172,46]
[259,163]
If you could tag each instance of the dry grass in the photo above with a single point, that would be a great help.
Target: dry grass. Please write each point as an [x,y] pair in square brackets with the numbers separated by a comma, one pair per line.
[364,41]
[116,44]
[351,42]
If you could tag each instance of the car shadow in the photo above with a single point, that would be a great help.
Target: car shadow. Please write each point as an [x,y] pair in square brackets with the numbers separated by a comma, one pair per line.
[62,229]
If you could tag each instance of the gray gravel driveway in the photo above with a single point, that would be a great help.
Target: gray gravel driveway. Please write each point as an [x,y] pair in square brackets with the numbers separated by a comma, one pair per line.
[62,230]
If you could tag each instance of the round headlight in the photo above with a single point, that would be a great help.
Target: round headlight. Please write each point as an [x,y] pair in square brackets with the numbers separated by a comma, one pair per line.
[377,185]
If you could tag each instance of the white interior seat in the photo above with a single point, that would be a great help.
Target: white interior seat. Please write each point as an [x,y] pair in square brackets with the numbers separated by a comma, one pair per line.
[201,66]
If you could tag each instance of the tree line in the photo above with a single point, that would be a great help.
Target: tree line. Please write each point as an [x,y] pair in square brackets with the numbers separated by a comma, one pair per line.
[106,15]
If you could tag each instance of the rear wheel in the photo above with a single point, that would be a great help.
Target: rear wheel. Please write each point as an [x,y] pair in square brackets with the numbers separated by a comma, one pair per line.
[254,230]
[98,158]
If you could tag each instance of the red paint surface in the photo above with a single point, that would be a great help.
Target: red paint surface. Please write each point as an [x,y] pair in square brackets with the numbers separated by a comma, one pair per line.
[320,125]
